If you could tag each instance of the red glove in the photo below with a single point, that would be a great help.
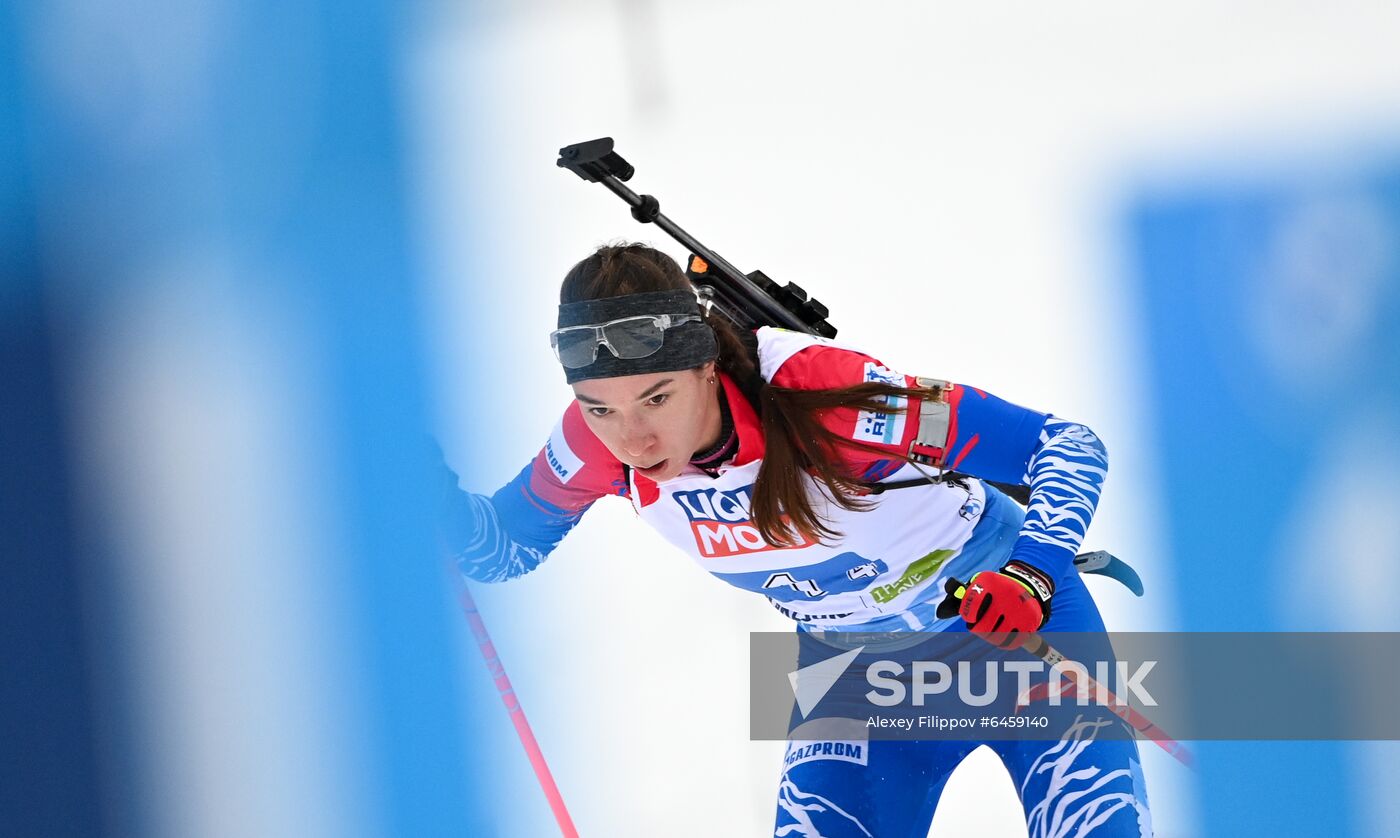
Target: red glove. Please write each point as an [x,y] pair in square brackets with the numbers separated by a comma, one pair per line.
[1005,605]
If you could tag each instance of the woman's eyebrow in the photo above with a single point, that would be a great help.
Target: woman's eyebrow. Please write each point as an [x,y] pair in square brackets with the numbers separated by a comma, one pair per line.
[657,386]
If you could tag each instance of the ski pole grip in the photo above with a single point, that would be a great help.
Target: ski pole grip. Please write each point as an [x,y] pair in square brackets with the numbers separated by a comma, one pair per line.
[953,601]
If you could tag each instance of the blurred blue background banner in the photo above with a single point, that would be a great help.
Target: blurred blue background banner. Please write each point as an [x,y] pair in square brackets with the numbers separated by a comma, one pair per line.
[1272,307]
[229,616]
[48,759]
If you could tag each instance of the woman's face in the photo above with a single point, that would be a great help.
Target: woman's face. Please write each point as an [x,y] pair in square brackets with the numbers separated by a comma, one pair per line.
[653,422]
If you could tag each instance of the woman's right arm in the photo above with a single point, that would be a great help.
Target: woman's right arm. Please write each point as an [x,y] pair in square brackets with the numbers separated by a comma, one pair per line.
[508,534]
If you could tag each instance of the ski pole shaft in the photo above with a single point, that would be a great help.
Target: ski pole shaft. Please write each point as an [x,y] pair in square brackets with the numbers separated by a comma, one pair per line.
[1085,684]
[517,714]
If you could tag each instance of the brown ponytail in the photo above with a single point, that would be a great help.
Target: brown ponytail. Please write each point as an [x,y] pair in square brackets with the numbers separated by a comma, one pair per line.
[795,439]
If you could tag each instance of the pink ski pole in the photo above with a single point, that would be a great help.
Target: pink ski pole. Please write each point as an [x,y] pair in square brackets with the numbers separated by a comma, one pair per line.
[1085,685]
[517,715]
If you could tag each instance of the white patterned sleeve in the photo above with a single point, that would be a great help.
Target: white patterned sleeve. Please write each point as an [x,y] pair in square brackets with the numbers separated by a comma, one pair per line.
[1065,475]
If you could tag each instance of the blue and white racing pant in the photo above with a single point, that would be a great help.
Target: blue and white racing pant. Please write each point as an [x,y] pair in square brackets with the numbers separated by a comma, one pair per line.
[1088,781]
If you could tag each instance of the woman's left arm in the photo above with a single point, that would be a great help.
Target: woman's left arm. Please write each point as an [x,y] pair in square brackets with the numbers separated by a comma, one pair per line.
[1062,462]
[1064,465]
[1065,476]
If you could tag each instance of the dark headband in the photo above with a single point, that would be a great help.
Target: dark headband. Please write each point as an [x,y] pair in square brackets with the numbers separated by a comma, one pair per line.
[684,347]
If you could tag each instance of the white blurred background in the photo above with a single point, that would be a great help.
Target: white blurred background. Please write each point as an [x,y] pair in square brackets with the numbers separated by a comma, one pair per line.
[948,178]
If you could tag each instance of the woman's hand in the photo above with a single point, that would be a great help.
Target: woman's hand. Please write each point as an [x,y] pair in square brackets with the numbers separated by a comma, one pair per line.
[1004,605]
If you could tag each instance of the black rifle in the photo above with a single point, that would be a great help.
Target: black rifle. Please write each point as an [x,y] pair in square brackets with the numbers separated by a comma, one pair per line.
[747,300]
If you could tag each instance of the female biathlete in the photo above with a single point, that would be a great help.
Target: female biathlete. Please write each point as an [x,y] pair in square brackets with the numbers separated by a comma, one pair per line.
[758,454]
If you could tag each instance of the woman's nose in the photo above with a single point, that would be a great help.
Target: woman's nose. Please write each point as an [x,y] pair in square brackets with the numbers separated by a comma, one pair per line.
[637,438]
